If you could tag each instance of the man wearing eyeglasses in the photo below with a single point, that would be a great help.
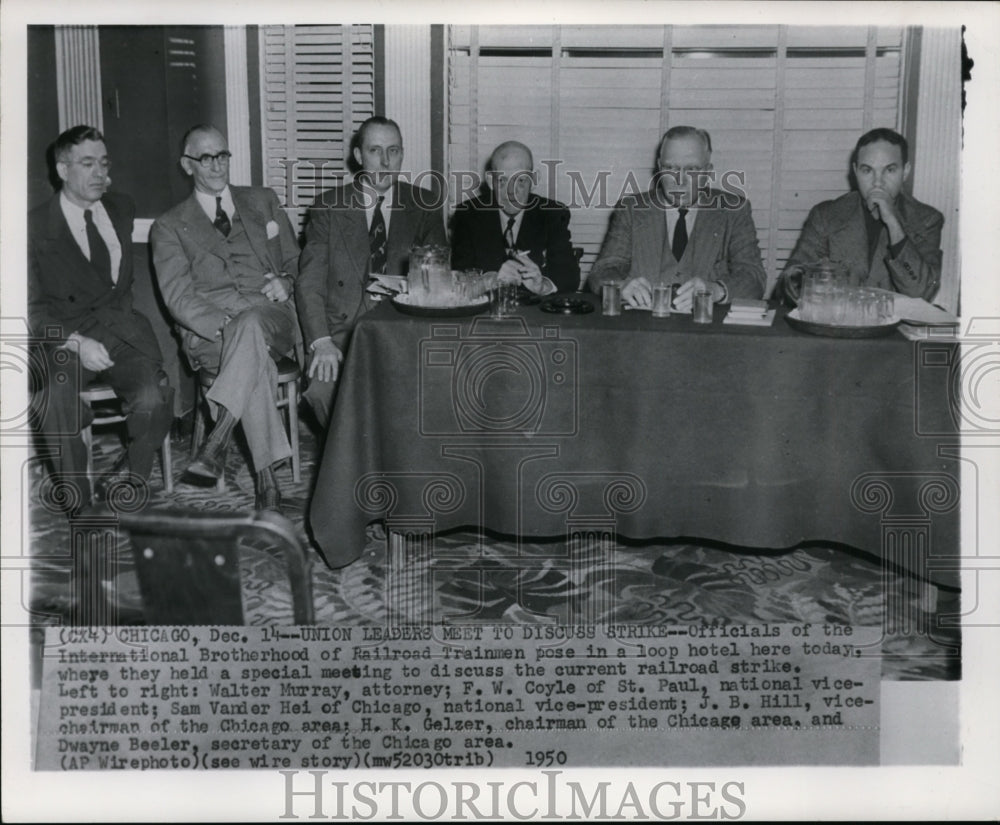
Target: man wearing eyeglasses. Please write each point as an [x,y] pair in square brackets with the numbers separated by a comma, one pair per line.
[682,231]
[226,261]
[80,305]
[357,233]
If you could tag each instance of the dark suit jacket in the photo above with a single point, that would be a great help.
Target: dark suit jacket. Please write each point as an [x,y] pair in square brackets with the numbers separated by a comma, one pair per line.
[66,294]
[836,230]
[477,239]
[722,246]
[190,260]
[333,269]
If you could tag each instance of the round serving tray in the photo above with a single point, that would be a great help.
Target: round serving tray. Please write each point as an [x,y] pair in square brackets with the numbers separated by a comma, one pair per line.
[835,331]
[401,303]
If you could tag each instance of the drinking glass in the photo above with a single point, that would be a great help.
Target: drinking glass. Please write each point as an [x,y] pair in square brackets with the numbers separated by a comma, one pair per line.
[611,298]
[701,308]
[662,296]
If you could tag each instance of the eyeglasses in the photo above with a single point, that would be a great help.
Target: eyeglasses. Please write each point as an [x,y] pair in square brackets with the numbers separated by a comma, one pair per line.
[89,164]
[206,160]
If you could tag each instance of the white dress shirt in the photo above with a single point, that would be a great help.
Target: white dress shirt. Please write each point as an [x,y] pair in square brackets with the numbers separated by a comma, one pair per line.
[207,203]
[371,198]
[672,215]
[504,218]
[78,229]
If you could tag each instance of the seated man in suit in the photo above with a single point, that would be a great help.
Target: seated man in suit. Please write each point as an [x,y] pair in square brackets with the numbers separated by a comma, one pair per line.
[509,230]
[80,300]
[355,233]
[226,260]
[681,232]
[886,238]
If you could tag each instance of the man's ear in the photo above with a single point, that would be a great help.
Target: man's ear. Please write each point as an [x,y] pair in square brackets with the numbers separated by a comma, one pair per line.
[186,166]
[61,170]
[906,170]
[357,156]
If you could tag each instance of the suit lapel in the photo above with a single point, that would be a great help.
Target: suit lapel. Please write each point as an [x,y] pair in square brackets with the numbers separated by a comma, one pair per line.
[353,227]
[650,228]
[198,228]
[401,225]
[123,232]
[254,224]
[528,230]
[61,241]
[706,237]
[849,243]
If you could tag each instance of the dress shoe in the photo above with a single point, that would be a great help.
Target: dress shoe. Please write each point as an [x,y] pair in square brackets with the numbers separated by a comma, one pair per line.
[119,482]
[207,468]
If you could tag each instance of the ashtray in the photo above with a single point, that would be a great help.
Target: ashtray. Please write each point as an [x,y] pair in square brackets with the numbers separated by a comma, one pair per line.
[567,306]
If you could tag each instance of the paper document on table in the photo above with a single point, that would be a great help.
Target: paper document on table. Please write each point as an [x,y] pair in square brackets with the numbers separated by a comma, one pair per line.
[923,332]
[918,311]
[750,317]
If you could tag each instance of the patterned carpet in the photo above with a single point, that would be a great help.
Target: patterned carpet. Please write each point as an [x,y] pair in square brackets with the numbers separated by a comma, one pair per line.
[486,579]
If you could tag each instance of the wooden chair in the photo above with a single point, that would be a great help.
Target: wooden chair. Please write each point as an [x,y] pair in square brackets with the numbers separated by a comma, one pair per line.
[187,562]
[97,393]
[288,400]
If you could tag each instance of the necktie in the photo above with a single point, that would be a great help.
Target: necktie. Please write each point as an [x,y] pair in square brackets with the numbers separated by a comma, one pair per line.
[508,236]
[100,258]
[221,222]
[376,240]
[680,235]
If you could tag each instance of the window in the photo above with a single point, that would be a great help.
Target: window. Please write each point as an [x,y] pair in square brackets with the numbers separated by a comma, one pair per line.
[317,87]
[784,106]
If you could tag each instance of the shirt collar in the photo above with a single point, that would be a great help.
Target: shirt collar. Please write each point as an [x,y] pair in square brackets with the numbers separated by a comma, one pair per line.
[74,212]
[371,197]
[207,202]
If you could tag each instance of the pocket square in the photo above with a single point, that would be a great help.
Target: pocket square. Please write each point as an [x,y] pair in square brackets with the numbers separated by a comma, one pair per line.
[272,229]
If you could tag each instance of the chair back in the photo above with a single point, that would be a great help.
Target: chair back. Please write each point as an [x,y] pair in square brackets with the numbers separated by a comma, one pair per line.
[187,563]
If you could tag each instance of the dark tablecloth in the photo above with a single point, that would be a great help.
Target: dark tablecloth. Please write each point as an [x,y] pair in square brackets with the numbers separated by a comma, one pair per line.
[638,427]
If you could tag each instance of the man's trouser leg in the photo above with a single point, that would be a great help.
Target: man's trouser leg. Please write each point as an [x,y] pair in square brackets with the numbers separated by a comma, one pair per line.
[247,377]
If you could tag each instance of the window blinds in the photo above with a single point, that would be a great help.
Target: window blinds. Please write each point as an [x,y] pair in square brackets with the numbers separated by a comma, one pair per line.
[317,87]
[784,105]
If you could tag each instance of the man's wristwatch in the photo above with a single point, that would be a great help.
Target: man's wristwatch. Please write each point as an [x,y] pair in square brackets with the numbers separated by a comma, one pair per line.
[725,293]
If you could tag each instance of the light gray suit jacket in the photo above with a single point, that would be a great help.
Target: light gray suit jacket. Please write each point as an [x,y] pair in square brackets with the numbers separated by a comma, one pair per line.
[190,261]
[722,246]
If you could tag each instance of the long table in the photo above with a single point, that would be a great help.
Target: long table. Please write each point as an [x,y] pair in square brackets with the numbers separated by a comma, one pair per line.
[547,426]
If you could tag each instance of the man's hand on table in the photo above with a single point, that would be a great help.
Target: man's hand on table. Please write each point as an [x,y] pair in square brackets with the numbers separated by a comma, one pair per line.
[686,292]
[326,358]
[638,292]
[522,270]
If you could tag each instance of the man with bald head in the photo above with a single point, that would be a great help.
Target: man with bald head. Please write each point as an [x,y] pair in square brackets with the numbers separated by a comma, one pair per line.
[510,230]
[682,231]
[226,261]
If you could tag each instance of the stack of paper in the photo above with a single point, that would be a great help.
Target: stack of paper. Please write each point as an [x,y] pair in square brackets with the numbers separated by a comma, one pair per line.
[747,312]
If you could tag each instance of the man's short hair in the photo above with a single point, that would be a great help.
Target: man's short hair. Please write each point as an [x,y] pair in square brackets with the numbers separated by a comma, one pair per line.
[889,136]
[73,137]
[505,147]
[195,130]
[675,132]
[376,120]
